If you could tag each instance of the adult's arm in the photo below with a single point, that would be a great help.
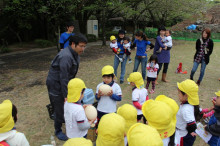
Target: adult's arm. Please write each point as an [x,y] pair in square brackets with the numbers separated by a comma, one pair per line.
[159,42]
[65,65]
[198,44]
[211,45]
[150,44]
[133,44]
[62,41]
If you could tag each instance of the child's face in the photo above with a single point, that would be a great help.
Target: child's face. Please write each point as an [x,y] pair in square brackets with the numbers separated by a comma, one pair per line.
[114,41]
[138,38]
[162,32]
[182,97]
[125,41]
[167,33]
[121,35]
[153,61]
[107,79]
[217,101]
[132,84]
[204,35]
[81,97]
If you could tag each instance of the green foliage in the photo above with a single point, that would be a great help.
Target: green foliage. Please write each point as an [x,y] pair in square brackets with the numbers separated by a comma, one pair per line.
[4,49]
[110,33]
[43,43]
[91,37]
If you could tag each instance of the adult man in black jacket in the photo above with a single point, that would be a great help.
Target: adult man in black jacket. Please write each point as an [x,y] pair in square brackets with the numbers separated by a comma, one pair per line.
[64,67]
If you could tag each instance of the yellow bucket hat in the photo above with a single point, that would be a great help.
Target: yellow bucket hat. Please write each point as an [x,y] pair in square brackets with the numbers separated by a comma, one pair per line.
[217,93]
[112,38]
[143,135]
[159,116]
[172,103]
[107,70]
[78,142]
[111,130]
[129,113]
[137,79]
[75,87]
[191,89]
[6,119]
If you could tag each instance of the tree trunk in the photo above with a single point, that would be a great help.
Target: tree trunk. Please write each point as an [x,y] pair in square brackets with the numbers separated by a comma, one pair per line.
[16,34]
[103,28]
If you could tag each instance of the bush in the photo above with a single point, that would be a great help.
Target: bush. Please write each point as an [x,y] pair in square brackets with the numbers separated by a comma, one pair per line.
[43,43]
[110,33]
[91,37]
[4,49]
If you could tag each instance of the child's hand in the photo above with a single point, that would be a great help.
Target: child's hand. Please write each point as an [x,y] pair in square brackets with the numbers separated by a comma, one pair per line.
[193,134]
[85,105]
[165,48]
[206,132]
[100,94]
[65,99]
[110,93]
[92,121]
[148,49]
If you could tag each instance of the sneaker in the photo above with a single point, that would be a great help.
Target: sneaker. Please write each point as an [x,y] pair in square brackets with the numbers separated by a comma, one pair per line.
[61,136]
[152,91]
[129,61]
[121,82]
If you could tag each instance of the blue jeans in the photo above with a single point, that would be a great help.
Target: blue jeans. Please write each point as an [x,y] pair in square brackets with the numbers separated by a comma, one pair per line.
[202,71]
[143,62]
[123,65]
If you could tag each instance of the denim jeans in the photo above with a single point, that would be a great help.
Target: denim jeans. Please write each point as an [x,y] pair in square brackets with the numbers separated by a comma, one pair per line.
[202,71]
[143,62]
[123,66]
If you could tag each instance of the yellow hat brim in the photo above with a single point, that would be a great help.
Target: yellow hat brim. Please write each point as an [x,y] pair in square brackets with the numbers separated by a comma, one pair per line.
[143,135]
[217,93]
[75,87]
[192,99]
[165,130]
[6,119]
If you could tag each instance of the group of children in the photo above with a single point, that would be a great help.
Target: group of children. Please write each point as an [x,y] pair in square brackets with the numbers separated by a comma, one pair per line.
[152,66]
[164,122]
[167,123]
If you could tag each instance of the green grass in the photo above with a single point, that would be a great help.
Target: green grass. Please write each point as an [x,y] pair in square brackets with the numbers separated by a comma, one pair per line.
[31,101]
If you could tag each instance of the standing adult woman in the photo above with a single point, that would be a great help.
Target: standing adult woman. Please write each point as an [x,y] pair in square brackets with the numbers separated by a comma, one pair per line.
[164,56]
[141,43]
[204,48]
[121,35]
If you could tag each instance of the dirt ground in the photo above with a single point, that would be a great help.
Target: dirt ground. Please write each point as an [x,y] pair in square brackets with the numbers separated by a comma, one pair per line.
[23,76]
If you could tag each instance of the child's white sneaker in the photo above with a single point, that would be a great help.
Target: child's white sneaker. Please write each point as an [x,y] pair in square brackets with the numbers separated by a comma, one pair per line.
[129,61]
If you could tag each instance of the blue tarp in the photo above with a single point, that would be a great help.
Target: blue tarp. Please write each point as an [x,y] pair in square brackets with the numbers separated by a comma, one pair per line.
[191,27]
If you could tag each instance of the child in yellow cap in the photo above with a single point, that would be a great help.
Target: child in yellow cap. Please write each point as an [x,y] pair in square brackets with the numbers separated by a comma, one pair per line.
[139,93]
[143,135]
[189,110]
[78,142]
[111,130]
[129,113]
[107,103]
[8,118]
[114,45]
[161,115]
[214,124]
[77,124]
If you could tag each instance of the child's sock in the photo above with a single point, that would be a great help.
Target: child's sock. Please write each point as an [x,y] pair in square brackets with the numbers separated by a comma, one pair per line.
[153,85]
[147,85]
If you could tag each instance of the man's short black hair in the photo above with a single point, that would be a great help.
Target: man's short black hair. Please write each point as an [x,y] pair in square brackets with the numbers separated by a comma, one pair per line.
[71,23]
[76,39]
